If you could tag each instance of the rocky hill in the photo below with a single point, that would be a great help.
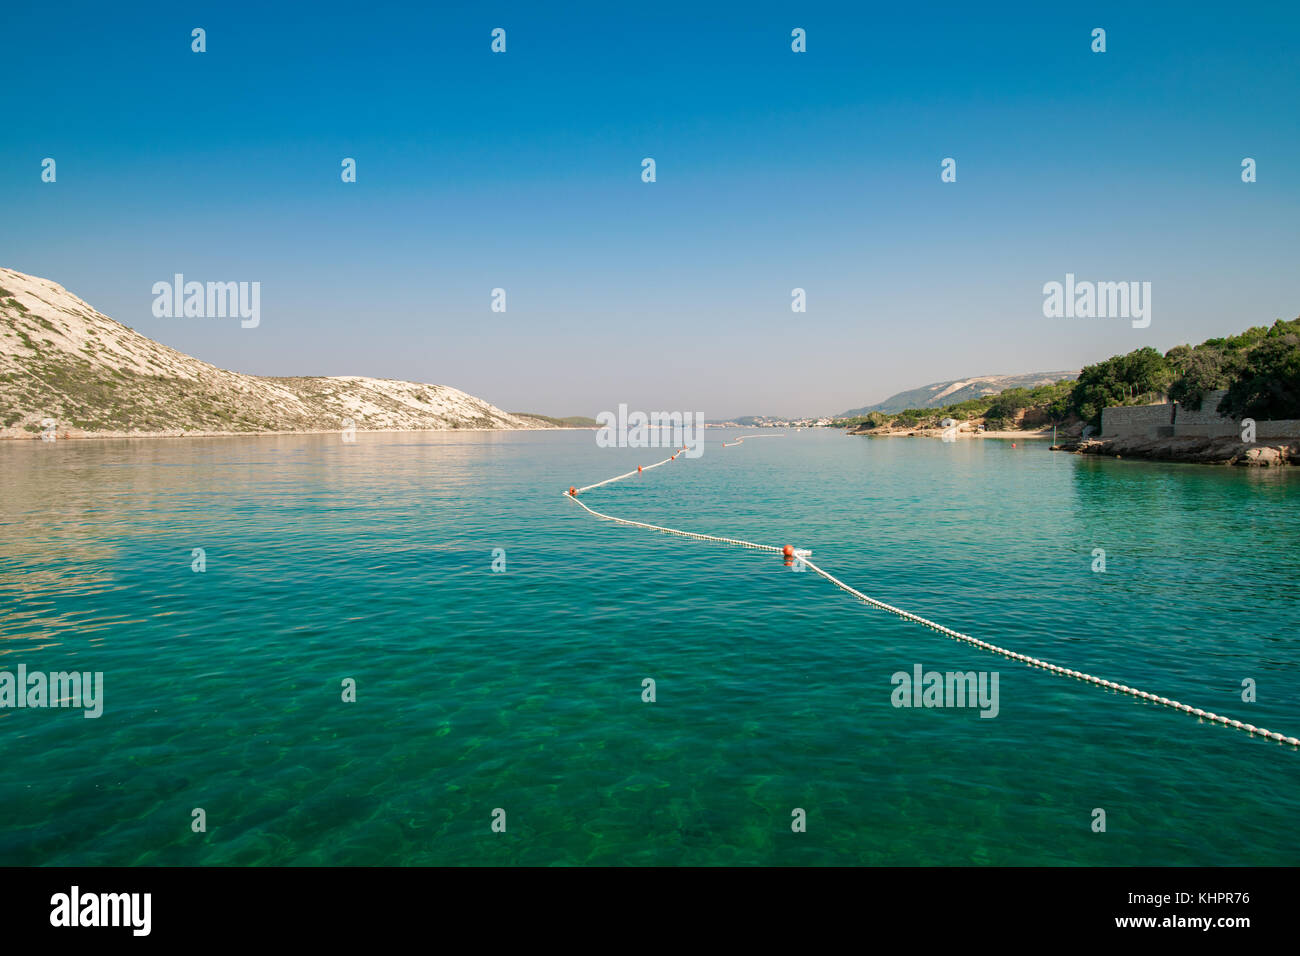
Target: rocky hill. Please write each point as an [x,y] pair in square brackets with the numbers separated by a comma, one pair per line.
[62,360]
[959,390]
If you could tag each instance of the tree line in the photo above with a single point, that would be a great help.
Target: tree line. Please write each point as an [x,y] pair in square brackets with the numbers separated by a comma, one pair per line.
[1260,368]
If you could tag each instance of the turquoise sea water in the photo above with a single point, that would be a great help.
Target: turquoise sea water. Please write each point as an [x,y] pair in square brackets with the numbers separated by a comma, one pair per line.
[522,690]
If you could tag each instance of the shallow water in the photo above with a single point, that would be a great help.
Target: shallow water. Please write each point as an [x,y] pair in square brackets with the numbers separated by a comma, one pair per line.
[522,690]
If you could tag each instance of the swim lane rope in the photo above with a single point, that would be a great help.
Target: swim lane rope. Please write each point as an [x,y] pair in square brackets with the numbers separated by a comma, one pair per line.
[792,554]
[741,439]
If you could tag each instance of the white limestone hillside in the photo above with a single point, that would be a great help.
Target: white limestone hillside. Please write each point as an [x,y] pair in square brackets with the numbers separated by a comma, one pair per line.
[62,360]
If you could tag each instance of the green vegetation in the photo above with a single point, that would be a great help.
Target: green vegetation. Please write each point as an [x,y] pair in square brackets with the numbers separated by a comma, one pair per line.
[1139,378]
[1015,407]
[1260,368]
[573,421]
[8,301]
[1267,386]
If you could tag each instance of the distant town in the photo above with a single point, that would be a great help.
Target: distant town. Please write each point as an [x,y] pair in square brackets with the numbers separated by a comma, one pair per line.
[762,421]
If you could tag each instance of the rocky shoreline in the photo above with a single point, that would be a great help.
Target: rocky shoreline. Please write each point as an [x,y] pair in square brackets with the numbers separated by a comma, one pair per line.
[1206,451]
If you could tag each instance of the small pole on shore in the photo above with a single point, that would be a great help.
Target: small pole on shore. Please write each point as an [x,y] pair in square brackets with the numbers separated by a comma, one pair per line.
[1053,436]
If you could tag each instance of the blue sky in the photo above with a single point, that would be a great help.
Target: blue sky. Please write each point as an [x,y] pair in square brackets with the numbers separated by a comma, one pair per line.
[775,170]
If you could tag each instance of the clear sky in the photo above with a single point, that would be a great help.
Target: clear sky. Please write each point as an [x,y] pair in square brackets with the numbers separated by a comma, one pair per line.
[775,170]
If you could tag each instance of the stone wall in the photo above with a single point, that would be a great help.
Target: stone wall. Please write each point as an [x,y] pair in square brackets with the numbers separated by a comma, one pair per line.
[1134,421]
[1274,430]
[1154,421]
[1206,415]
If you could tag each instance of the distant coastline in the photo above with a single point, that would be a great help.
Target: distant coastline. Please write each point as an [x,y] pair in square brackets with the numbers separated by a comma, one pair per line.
[1189,450]
[10,434]
[955,434]
[1232,400]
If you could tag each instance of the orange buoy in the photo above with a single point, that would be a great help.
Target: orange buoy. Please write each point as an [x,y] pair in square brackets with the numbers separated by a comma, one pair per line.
[638,469]
[1013,444]
[788,551]
[573,491]
[674,458]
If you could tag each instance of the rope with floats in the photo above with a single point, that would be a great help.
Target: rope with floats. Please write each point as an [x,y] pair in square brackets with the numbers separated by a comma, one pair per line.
[741,439]
[792,554]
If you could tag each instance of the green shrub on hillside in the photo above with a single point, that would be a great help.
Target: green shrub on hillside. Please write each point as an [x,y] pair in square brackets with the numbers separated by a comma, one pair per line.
[1268,384]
